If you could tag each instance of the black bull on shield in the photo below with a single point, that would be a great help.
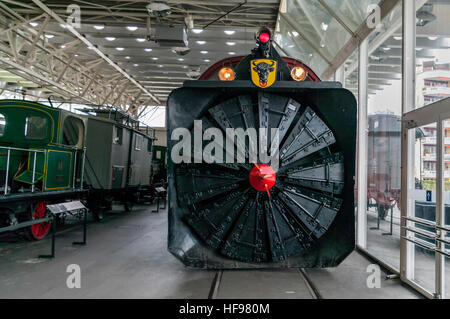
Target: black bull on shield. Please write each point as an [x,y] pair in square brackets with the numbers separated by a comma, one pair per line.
[263,69]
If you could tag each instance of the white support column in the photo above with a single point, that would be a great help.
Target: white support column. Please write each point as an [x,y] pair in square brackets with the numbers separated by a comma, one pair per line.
[361,217]
[408,135]
[339,76]
[440,219]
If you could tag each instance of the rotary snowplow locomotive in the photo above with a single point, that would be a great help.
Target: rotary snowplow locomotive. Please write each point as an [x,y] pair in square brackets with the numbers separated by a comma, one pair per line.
[294,208]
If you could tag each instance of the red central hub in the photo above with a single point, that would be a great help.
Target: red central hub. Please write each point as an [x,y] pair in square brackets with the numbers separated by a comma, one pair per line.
[262,177]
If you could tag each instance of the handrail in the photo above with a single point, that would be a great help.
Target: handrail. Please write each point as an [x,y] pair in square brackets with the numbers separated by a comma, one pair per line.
[427,223]
[436,236]
[68,146]
[21,149]
[422,232]
[420,221]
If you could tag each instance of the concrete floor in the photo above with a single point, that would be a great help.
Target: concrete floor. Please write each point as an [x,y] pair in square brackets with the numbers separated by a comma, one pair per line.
[126,257]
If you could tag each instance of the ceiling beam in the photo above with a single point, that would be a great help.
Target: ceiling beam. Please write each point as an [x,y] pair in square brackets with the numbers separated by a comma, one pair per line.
[95,49]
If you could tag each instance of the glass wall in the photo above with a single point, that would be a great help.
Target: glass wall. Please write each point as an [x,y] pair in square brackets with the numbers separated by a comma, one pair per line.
[424,208]
[383,137]
[446,247]
[297,47]
[432,85]
[310,31]
[432,52]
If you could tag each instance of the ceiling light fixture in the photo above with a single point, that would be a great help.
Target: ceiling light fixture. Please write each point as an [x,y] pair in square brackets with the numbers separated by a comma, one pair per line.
[197,31]
[432,38]
[132,28]
[120,49]
[230,43]
[229,32]
[34,24]
[231,53]
[204,52]
[127,57]
[154,58]
[148,50]
[49,36]
[324,26]
[110,38]
[99,27]
[140,39]
[201,42]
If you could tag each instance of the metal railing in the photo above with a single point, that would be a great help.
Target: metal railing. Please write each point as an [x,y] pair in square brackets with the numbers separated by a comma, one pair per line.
[35,152]
[435,235]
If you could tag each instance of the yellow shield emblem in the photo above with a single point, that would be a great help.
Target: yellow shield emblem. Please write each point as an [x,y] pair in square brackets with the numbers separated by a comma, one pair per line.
[264,72]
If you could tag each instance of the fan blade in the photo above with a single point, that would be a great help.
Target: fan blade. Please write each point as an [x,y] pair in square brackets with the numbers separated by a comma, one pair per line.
[196,183]
[315,210]
[324,174]
[212,219]
[309,135]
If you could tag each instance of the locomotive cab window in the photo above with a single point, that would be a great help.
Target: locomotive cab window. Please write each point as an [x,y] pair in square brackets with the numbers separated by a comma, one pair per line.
[117,135]
[73,132]
[2,124]
[139,142]
[35,127]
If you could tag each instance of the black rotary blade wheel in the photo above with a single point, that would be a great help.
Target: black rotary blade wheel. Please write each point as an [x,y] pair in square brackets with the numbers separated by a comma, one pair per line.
[235,220]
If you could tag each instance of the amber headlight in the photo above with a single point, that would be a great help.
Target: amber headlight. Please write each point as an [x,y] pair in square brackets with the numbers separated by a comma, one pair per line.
[298,73]
[226,74]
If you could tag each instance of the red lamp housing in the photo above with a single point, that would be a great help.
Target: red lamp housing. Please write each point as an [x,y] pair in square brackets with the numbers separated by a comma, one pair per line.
[264,37]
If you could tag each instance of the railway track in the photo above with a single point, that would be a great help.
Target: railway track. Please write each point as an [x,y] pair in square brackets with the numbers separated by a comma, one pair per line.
[304,279]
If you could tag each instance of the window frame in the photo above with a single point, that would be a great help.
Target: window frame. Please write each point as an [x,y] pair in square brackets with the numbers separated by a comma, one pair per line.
[5,117]
[45,127]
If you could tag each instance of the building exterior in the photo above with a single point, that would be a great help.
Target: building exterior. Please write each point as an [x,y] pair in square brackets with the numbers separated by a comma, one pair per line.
[433,84]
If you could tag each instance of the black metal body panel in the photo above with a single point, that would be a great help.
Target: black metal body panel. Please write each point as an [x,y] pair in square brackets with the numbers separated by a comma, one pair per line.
[335,106]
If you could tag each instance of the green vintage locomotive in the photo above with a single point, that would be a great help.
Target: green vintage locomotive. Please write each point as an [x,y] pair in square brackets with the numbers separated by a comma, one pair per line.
[50,155]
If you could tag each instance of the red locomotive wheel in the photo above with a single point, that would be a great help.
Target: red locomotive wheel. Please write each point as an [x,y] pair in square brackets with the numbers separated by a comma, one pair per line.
[39,231]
